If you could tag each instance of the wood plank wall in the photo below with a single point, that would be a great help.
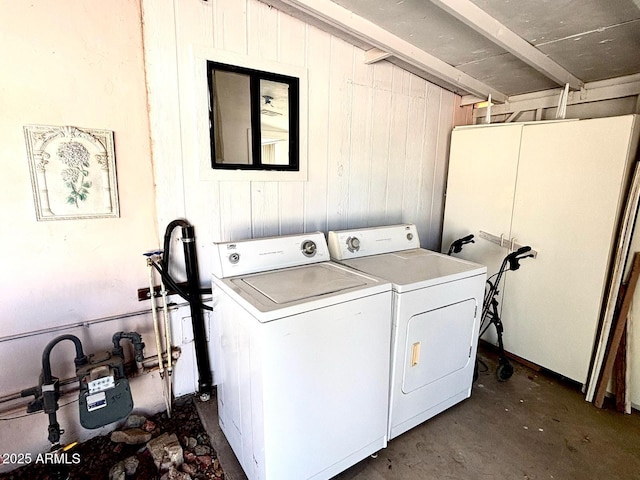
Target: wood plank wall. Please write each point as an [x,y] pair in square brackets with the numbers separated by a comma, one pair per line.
[378,136]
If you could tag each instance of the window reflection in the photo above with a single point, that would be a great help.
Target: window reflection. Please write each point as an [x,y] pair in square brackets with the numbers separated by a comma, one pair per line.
[231,118]
[274,122]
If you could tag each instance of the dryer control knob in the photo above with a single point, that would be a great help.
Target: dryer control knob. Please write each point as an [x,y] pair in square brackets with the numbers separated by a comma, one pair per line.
[309,248]
[409,236]
[353,244]
[234,258]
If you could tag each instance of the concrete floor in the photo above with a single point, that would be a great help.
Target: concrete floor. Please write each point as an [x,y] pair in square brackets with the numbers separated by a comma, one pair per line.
[534,426]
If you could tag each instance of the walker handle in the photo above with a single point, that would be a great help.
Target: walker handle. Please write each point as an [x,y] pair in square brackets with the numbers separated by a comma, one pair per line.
[456,247]
[515,257]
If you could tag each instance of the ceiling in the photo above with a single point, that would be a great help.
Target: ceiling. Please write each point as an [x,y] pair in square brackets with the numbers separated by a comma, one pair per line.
[510,49]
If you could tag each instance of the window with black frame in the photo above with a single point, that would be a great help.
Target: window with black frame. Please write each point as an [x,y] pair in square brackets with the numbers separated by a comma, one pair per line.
[253,119]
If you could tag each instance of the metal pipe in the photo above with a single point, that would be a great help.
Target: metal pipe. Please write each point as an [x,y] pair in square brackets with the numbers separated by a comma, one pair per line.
[154,315]
[138,346]
[167,333]
[51,386]
[80,359]
[167,329]
[87,324]
[149,364]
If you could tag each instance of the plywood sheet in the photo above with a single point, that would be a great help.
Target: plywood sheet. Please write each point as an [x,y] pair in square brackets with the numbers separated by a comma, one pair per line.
[507,74]
[426,26]
[598,55]
[549,20]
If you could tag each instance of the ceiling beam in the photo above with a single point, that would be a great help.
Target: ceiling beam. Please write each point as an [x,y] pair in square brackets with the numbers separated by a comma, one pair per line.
[332,15]
[375,55]
[601,90]
[483,23]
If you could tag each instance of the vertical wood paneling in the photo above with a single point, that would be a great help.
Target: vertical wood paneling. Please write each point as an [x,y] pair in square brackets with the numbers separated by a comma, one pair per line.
[397,147]
[234,211]
[340,123]
[230,32]
[378,148]
[262,42]
[316,189]
[262,31]
[377,137]
[359,157]
[292,49]
[362,72]
[164,106]
[447,104]
[291,201]
[264,209]
[430,158]
[414,160]
[194,25]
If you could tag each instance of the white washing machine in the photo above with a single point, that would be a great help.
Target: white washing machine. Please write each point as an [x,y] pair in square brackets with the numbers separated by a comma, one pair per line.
[302,364]
[436,317]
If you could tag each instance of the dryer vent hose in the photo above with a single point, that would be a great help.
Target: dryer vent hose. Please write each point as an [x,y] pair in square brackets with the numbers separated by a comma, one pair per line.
[205,380]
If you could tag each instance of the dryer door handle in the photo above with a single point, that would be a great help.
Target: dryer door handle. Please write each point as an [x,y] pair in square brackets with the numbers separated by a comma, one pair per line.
[415,354]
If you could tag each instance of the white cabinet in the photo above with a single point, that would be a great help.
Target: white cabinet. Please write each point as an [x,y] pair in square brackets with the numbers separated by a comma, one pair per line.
[558,187]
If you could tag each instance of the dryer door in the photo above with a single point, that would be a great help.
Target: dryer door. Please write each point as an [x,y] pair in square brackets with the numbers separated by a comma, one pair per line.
[439,343]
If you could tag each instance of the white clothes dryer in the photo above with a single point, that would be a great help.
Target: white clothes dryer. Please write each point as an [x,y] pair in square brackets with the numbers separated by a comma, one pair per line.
[436,318]
[302,363]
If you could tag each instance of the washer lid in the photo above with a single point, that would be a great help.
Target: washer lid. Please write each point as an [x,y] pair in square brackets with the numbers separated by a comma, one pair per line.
[291,285]
[416,268]
[291,291]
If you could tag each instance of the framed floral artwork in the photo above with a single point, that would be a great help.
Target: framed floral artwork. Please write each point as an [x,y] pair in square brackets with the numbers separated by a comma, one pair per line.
[73,172]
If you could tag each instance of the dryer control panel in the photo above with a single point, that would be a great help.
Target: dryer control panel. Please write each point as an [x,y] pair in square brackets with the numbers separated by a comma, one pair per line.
[345,244]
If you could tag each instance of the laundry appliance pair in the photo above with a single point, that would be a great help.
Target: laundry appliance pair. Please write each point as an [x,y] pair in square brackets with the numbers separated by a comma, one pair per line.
[325,351]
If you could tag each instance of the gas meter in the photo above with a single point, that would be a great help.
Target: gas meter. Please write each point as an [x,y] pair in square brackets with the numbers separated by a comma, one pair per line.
[105,396]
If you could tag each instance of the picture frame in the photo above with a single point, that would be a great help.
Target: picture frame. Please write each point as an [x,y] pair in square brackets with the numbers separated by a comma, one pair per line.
[73,172]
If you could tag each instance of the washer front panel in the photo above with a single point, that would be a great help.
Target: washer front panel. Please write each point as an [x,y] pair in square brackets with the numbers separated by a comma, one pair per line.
[306,396]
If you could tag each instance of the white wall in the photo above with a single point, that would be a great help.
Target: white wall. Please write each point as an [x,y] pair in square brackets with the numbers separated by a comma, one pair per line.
[77,63]
[378,136]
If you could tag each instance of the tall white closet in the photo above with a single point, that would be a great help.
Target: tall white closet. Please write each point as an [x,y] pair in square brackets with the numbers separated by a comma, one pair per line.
[558,187]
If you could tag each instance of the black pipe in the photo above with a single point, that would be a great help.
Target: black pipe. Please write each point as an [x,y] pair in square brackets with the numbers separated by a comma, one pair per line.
[205,379]
[173,285]
[136,339]
[81,358]
[167,240]
[51,385]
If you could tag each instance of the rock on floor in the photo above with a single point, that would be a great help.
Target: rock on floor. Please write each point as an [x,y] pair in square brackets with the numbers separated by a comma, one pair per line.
[100,457]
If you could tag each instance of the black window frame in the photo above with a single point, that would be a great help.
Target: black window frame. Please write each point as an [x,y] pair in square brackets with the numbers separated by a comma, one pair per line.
[256,130]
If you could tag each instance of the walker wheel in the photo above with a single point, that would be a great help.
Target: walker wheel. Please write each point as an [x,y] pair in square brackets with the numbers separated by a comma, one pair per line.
[504,372]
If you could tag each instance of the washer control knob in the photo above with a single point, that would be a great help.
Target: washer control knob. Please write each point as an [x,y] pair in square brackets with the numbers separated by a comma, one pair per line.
[353,244]
[309,248]
[409,236]
[234,258]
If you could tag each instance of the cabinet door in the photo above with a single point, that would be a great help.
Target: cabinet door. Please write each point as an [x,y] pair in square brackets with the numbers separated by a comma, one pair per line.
[571,179]
[480,188]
